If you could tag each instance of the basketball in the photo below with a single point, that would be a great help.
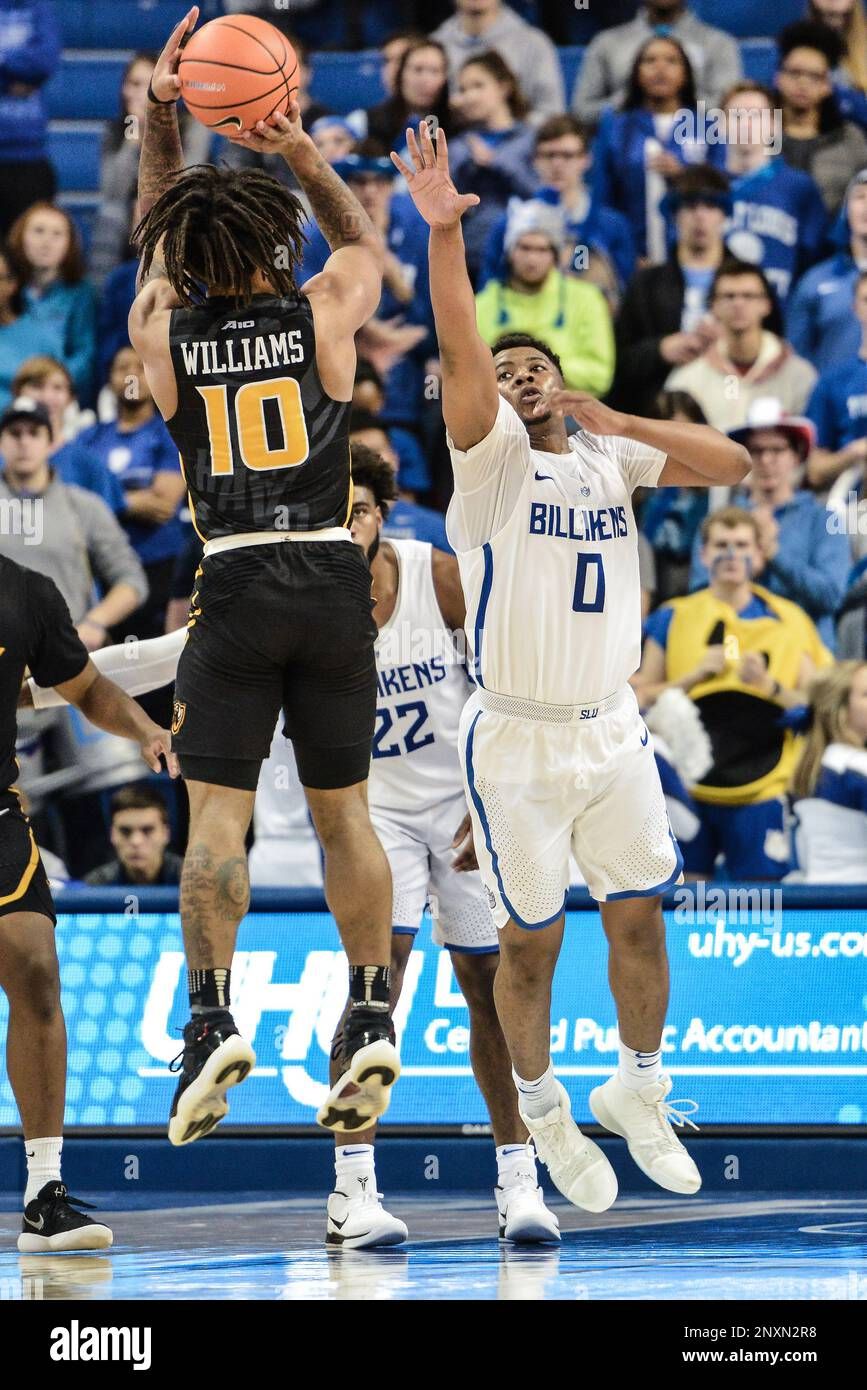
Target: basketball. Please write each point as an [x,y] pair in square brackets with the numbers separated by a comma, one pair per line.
[235,71]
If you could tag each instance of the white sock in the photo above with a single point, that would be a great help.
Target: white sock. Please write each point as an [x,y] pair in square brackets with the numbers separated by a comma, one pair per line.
[43,1164]
[354,1169]
[536,1098]
[636,1069]
[514,1161]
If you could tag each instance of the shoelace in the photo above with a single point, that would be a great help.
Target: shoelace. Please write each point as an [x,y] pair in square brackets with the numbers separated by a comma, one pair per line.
[669,1114]
[62,1197]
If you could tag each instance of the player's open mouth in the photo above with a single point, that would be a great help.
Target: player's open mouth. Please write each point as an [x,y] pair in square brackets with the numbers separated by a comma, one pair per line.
[530,396]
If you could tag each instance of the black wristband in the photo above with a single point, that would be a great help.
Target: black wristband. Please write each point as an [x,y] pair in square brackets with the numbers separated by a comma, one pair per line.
[156,101]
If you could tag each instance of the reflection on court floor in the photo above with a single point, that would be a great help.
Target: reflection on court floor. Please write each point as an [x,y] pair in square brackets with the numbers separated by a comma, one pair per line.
[753,1248]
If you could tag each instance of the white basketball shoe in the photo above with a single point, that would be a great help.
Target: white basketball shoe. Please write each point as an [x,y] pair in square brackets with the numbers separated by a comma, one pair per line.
[578,1167]
[644,1119]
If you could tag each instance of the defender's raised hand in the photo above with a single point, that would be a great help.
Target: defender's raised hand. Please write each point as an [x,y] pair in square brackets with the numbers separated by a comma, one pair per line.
[429,182]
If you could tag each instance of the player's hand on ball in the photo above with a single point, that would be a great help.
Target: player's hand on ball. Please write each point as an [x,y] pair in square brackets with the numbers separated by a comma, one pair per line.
[429,182]
[165,83]
[278,135]
[465,859]
[591,414]
[158,745]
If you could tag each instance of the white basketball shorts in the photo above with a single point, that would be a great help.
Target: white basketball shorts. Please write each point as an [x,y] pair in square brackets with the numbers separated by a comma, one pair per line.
[541,779]
[418,846]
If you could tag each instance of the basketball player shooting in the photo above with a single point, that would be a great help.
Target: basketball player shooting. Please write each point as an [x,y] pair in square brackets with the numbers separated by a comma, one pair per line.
[254,380]
[553,749]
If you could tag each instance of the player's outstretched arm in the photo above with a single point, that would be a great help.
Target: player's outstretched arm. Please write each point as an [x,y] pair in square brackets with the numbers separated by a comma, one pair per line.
[470,396]
[352,275]
[698,455]
[147,666]
[110,708]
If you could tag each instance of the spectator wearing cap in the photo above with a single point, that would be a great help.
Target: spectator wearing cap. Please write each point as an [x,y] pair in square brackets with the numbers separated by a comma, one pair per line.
[649,140]
[838,410]
[421,88]
[664,320]
[493,155]
[333,137]
[140,838]
[137,448]
[747,362]
[484,26]
[605,72]
[561,160]
[803,558]
[816,138]
[744,655]
[570,315]
[46,380]
[29,55]
[778,220]
[71,536]
[819,320]
[400,335]
[407,519]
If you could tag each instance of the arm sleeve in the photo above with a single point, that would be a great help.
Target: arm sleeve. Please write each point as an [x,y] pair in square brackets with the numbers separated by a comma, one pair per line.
[812,230]
[640,464]
[489,478]
[820,410]
[591,89]
[656,625]
[112,557]
[80,347]
[136,667]
[57,653]
[34,61]
[722,67]
[546,93]
[588,362]
[799,321]
[816,577]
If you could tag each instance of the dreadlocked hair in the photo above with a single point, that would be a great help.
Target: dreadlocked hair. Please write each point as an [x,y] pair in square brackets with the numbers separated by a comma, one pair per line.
[219,226]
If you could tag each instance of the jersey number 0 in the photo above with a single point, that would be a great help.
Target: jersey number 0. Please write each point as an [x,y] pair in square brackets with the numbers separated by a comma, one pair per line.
[253,445]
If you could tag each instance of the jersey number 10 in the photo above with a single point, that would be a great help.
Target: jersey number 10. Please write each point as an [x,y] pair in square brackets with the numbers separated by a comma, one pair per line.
[249,406]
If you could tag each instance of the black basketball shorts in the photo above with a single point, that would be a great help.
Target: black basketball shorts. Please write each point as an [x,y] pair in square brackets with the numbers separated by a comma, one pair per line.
[288,626]
[23,881]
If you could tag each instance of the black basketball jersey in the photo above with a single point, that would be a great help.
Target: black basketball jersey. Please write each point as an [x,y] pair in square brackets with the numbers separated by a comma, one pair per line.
[262,446]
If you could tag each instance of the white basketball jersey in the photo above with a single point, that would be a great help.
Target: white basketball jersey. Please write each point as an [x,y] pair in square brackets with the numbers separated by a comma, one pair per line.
[548,553]
[422,687]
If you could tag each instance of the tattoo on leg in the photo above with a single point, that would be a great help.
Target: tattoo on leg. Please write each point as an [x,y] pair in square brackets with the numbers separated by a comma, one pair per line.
[233,889]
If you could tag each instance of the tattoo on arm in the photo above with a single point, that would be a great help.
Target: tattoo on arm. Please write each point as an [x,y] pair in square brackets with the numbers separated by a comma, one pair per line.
[341,218]
[162,157]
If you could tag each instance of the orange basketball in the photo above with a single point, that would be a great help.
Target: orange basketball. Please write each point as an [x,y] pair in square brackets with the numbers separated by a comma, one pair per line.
[237,70]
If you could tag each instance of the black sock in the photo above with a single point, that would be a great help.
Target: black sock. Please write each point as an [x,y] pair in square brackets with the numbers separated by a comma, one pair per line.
[209,989]
[369,987]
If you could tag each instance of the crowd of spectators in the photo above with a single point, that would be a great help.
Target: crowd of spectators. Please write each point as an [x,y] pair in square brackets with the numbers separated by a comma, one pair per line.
[693,245]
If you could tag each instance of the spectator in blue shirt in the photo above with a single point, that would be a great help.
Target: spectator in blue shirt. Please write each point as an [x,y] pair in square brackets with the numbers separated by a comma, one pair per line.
[401,330]
[29,54]
[46,380]
[805,560]
[646,143]
[493,155]
[138,450]
[561,161]
[46,251]
[838,408]
[778,218]
[21,336]
[407,520]
[821,325]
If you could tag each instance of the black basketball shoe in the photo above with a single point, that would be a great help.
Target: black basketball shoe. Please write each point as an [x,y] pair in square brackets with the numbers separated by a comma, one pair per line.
[370,1068]
[52,1223]
[215,1058]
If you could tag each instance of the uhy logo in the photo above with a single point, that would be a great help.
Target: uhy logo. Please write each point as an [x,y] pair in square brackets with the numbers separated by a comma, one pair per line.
[77,1343]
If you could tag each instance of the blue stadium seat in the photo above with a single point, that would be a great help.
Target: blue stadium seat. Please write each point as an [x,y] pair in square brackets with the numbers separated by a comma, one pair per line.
[74,149]
[760,60]
[86,87]
[127,24]
[345,81]
[82,208]
[750,18]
